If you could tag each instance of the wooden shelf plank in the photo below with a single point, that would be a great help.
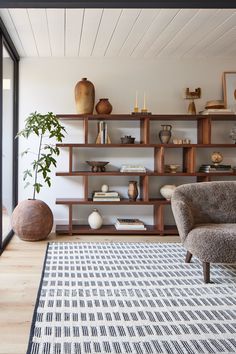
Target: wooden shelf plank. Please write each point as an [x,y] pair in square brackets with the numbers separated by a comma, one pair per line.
[106,230]
[117,173]
[130,117]
[76,201]
[170,146]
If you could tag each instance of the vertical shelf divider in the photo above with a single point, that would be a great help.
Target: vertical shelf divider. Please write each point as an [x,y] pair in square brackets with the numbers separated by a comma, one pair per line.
[159,163]
[189,159]
[158,211]
[85,184]
[144,188]
[144,130]
[70,219]
[86,130]
[70,159]
[204,130]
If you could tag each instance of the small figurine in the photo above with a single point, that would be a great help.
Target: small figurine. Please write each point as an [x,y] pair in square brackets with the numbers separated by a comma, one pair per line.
[192,95]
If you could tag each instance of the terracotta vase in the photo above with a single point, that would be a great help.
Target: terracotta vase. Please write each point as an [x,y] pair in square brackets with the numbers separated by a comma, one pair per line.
[32,220]
[132,190]
[84,96]
[103,106]
[165,133]
[95,220]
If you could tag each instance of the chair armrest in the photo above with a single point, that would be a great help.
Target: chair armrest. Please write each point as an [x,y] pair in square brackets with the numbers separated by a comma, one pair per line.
[183,217]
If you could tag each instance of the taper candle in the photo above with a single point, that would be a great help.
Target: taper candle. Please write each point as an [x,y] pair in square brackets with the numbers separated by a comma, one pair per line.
[136,99]
[144,100]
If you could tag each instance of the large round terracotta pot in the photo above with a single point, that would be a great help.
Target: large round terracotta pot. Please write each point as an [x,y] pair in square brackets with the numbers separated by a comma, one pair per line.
[84,96]
[32,220]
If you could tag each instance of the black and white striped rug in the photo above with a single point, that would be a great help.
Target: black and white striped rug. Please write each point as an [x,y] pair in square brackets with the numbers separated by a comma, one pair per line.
[98,298]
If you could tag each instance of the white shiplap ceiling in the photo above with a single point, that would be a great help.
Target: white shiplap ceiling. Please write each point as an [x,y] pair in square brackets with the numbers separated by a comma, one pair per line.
[136,33]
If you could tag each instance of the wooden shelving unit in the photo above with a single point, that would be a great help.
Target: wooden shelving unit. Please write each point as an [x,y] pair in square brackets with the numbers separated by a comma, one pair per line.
[189,151]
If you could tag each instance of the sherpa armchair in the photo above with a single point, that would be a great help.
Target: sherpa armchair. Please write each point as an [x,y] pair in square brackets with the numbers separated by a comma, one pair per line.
[205,215]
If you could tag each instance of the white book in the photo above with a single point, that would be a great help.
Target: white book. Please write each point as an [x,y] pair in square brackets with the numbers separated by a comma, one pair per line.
[130,227]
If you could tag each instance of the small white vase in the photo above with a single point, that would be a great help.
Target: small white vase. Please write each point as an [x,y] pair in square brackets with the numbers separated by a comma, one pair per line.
[167,190]
[95,220]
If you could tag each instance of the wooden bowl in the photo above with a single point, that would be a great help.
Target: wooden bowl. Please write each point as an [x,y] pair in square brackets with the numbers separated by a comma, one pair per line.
[97,166]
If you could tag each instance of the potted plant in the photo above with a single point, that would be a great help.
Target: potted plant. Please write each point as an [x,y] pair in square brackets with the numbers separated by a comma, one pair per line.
[32,219]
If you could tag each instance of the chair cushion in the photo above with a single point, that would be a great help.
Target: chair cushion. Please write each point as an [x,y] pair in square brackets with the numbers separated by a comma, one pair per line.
[213,242]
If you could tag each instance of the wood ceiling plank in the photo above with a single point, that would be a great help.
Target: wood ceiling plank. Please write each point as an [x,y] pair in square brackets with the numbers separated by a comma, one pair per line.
[106,31]
[217,31]
[124,26]
[163,18]
[138,30]
[10,26]
[182,17]
[222,44]
[56,28]
[23,27]
[91,24]
[39,26]
[213,22]
[74,23]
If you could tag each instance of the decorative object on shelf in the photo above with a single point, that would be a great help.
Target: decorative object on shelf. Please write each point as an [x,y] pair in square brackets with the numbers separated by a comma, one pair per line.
[172,168]
[144,109]
[136,103]
[129,224]
[127,139]
[181,141]
[32,219]
[215,168]
[216,158]
[105,188]
[167,191]
[102,137]
[215,104]
[84,96]
[97,166]
[106,196]
[95,220]
[165,133]
[103,106]
[132,191]
[192,95]
[229,89]
[233,134]
[132,168]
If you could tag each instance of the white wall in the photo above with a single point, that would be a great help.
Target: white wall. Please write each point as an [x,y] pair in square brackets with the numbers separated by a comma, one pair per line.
[48,85]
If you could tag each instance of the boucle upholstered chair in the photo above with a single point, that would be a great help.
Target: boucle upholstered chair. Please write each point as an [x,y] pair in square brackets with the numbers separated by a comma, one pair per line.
[205,215]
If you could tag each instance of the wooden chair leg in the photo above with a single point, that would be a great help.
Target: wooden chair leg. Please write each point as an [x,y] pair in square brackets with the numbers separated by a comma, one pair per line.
[188,257]
[206,272]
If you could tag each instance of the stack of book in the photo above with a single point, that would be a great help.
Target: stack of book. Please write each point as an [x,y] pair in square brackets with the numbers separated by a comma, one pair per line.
[216,111]
[215,168]
[129,224]
[106,197]
[132,168]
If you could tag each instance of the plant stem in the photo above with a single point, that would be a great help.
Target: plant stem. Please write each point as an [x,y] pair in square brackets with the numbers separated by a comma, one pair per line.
[36,169]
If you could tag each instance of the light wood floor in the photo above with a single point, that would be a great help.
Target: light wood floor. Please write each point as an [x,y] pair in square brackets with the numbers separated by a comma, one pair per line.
[20,271]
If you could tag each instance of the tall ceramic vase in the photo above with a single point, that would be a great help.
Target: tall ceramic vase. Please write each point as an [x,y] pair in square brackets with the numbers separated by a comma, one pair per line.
[84,96]
[165,133]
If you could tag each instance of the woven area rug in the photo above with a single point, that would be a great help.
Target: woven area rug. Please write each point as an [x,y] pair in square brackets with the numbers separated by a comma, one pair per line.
[131,298]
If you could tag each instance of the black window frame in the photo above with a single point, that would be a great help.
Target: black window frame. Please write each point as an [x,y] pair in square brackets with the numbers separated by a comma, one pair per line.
[6,41]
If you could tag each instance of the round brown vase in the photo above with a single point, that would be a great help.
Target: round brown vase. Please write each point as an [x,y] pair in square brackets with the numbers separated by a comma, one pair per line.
[103,106]
[32,220]
[132,191]
[84,96]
